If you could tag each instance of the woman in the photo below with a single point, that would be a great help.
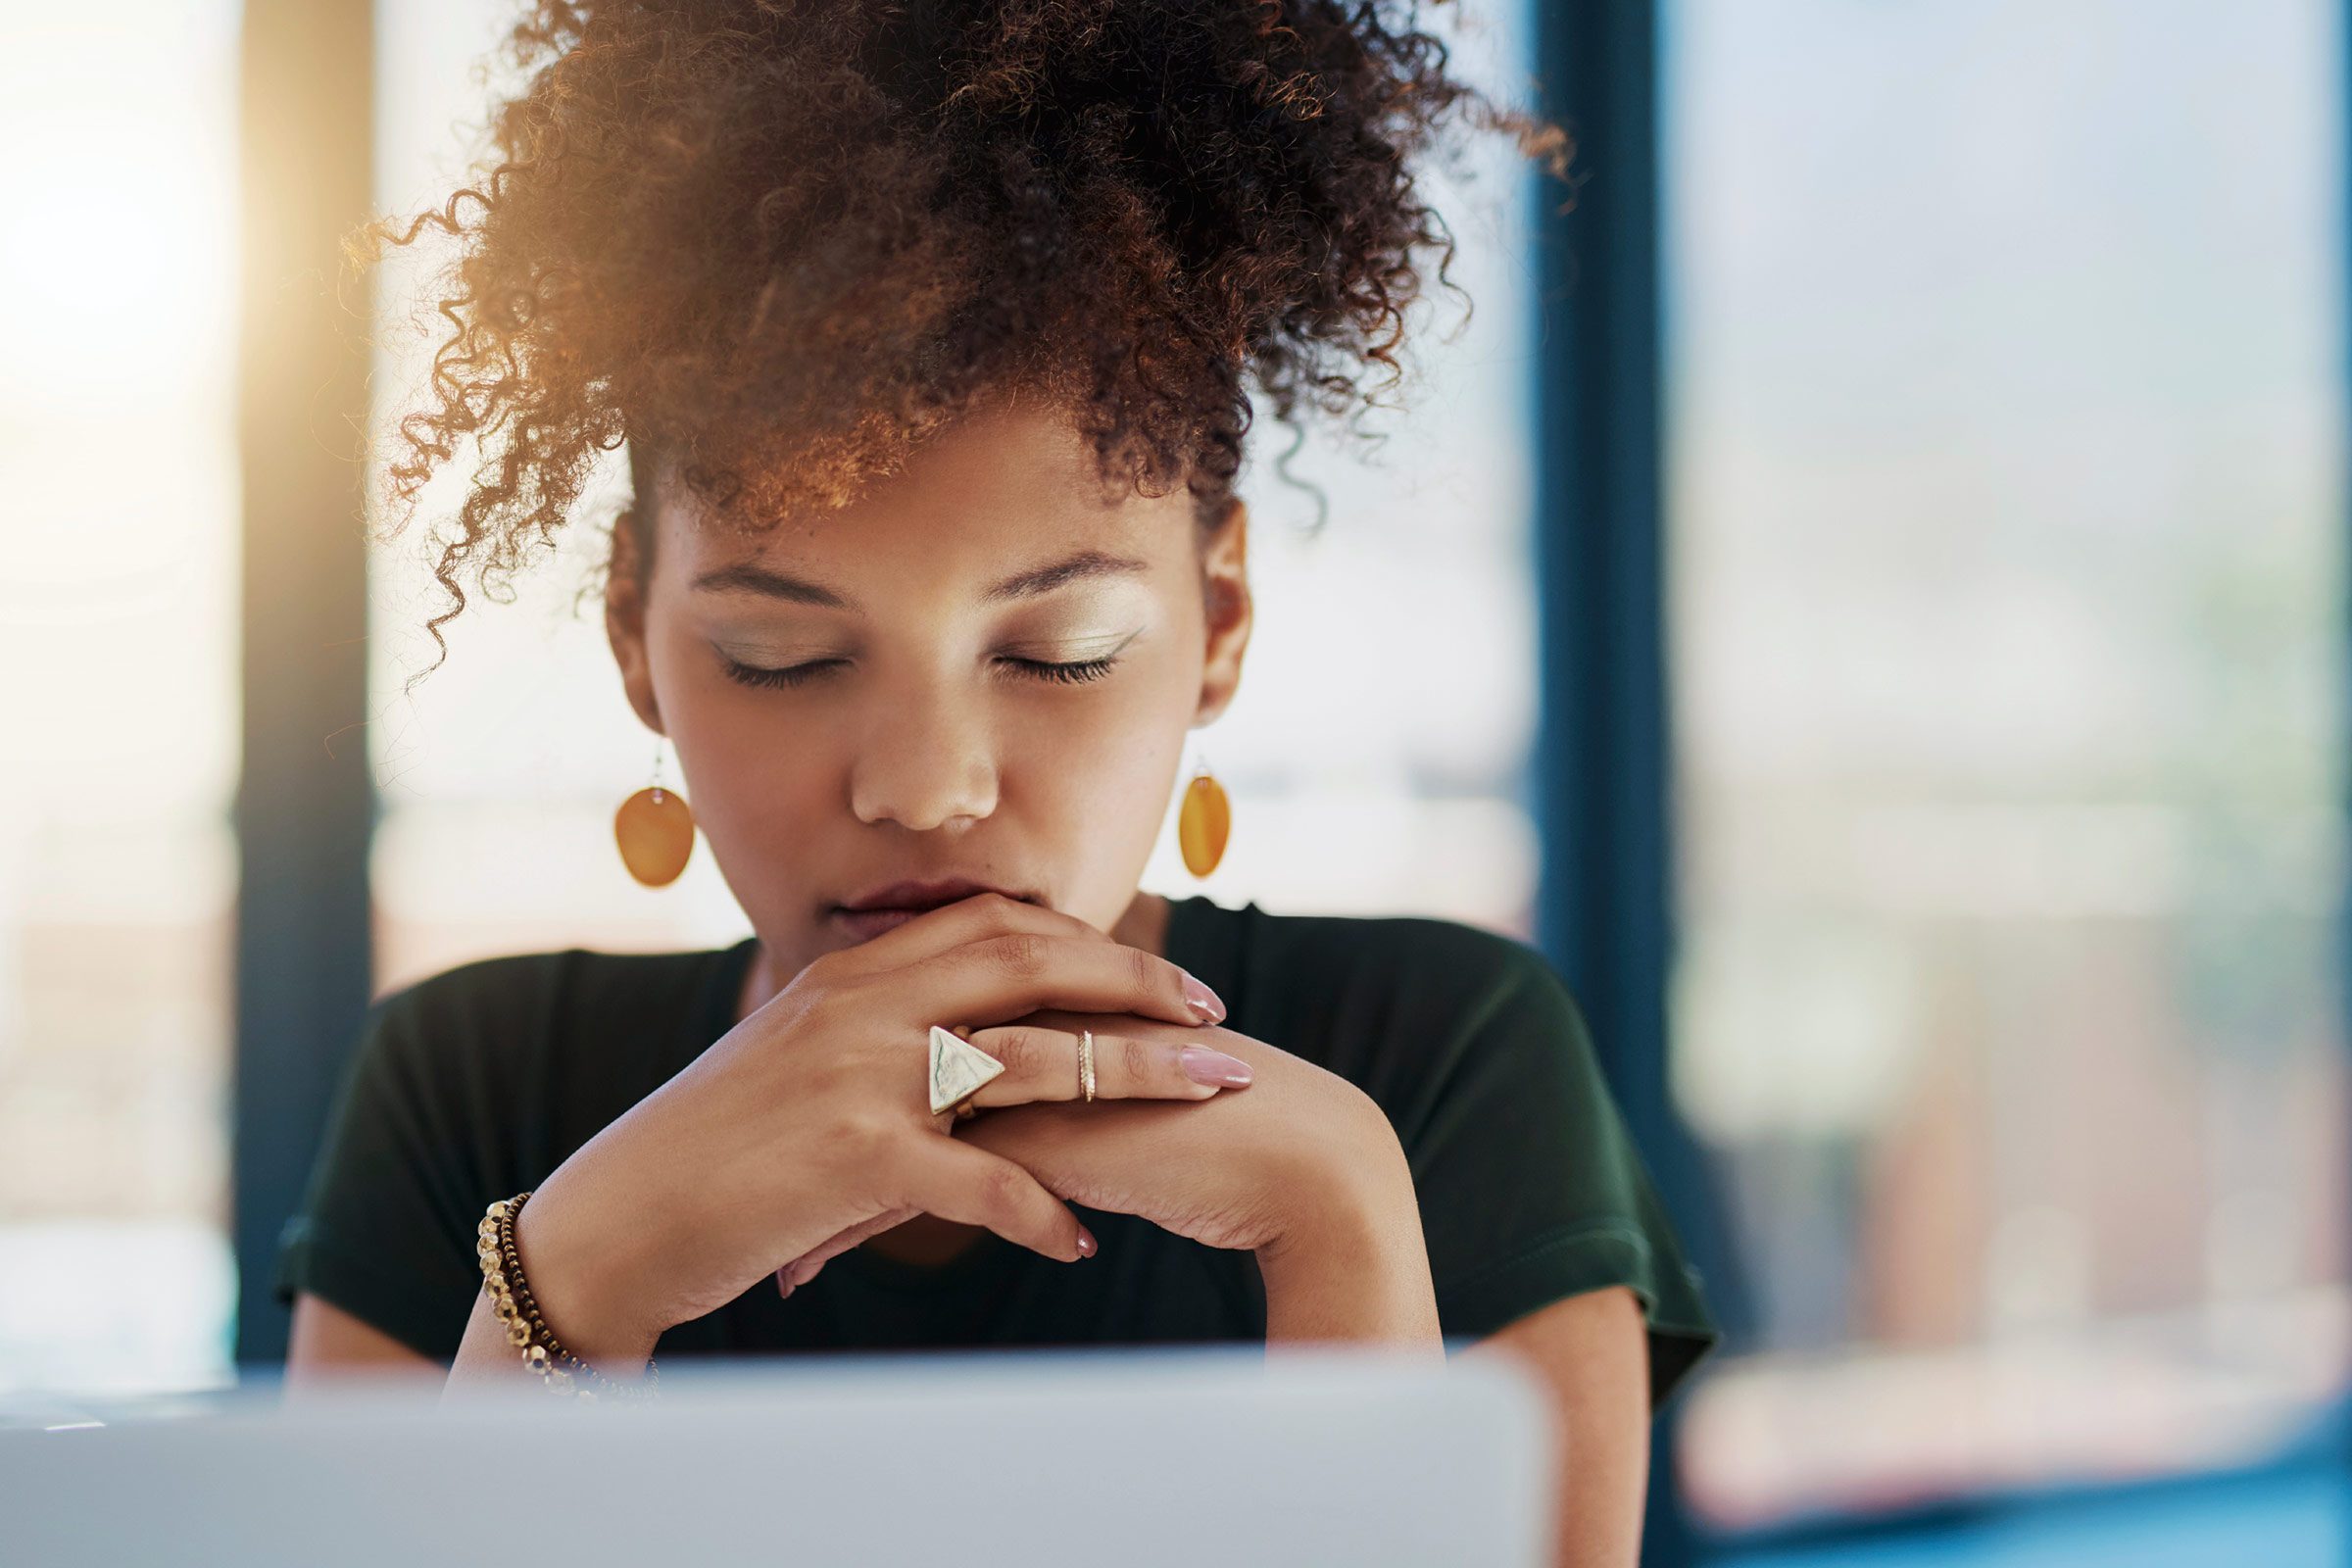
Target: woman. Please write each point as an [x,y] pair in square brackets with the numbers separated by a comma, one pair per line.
[927,330]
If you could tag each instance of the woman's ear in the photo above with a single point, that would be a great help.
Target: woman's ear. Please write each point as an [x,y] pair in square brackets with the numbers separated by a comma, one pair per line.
[1225,585]
[625,582]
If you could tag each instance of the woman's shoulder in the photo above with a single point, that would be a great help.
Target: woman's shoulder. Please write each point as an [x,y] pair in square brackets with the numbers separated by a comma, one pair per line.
[1442,961]
[1393,1002]
[1530,1184]
[1422,943]
[574,975]
[533,1009]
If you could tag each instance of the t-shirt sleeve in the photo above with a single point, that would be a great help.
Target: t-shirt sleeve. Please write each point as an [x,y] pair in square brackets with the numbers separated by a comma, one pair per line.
[385,1229]
[1530,1184]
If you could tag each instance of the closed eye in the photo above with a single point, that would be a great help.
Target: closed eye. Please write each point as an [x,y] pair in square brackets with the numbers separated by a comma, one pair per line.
[1085,670]
[789,675]
[1082,669]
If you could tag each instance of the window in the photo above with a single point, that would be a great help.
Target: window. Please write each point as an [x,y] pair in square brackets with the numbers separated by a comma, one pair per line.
[2006,509]
[119,732]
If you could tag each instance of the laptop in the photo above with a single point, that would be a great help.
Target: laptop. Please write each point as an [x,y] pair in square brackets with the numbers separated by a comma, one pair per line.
[1057,1458]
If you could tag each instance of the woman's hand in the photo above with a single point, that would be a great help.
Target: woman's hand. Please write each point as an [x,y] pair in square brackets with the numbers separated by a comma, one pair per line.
[1128,1052]
[1303,1155]
[1305,1171]
[1254,1171]
[811,1119]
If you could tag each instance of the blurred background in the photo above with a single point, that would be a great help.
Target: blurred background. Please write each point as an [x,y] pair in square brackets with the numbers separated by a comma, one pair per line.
[1864,591]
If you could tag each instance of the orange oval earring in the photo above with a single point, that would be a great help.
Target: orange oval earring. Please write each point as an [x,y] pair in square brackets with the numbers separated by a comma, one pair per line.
[654,830]
[1203,822]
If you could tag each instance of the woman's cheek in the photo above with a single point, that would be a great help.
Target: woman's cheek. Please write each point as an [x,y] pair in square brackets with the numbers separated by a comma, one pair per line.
[750,774]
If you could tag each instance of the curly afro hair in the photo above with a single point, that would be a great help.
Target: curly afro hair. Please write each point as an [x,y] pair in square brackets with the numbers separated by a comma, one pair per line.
[773,244]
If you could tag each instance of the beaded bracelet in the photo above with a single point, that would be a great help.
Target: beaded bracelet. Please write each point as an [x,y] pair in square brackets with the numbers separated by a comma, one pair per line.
[560,1371]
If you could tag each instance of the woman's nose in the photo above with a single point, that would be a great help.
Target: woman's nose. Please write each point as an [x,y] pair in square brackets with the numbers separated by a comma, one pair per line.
[925,762]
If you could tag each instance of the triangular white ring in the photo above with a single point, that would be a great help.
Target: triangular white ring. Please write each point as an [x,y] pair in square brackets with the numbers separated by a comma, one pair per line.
[958,1067]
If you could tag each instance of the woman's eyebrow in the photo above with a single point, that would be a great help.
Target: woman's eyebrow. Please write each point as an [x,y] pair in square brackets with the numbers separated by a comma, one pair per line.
[749,578]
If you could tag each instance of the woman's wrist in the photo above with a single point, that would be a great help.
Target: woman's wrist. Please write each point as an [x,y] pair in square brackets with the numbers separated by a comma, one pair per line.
[582,1284]
[1355,1265]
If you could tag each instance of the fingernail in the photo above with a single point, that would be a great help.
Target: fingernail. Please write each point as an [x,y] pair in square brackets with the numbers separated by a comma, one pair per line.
[1086,1241]
[1205,1067]
[1203,1001]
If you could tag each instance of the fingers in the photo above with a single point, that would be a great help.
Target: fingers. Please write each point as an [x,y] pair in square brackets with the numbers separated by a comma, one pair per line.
[1004,976]
[957,1182]
[804,1268]
[951,925]
[988,958]
[1043,1065]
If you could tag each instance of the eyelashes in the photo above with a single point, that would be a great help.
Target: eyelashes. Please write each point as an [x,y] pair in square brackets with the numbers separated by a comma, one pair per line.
[1076,673]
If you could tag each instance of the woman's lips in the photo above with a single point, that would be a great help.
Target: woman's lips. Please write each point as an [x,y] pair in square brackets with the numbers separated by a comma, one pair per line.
[875,919]
[865,924]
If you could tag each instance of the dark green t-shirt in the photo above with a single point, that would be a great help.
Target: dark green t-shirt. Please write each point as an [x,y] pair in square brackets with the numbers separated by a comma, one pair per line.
[476,1083]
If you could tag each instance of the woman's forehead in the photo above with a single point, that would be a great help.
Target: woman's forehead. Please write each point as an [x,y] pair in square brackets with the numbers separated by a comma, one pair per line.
[782,578]
[1001,495]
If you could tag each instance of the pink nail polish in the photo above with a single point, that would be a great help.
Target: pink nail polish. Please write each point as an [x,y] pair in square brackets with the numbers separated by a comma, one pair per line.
[1203,1001]
[1086,1241]
[1205,1067]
